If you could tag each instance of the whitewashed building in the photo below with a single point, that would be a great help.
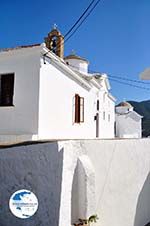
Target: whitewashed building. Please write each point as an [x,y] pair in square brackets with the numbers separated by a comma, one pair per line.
[46,96]
[128,122]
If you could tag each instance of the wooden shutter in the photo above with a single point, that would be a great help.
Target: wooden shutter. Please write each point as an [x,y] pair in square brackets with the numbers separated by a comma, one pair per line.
[81,109]
[77,108]
[7,88]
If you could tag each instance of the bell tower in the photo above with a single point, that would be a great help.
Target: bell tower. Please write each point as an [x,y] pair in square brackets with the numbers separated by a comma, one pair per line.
[55,42]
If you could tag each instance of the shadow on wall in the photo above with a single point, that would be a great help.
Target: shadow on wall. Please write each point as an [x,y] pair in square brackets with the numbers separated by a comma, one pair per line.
[83,190]
[38,168]
[74,197]
[142,216]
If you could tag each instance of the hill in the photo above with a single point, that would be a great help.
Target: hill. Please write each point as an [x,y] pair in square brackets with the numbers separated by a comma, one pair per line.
[143,108]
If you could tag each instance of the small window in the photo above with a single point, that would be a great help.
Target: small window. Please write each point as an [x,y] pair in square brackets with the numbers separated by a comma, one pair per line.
[104,97]
[103,115]
[97,105]
[79,109]
[108,117]
[6,89]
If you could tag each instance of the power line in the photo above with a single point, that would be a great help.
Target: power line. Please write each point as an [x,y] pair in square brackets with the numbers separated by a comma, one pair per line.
[82,21]
[111,79]
[117,78]
[123,78]
[75,24]
[85,11]
[127,79]
[114,76]
[129,84]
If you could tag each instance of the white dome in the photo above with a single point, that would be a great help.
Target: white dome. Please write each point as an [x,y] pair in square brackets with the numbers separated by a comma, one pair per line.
[77,63]
[124,107]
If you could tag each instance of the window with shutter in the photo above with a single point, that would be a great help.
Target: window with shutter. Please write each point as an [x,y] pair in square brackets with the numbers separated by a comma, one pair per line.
[79,109]
[6,89]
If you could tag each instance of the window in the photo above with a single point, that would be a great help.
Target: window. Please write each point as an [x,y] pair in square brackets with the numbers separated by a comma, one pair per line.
[97,105]
[103,115]
[108,117]
[79,109]
[104,97]
[6,89]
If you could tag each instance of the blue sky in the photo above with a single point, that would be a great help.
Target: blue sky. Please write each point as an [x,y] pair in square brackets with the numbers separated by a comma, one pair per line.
[115,38]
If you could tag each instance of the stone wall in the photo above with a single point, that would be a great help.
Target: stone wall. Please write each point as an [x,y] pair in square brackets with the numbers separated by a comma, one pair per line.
[38,168]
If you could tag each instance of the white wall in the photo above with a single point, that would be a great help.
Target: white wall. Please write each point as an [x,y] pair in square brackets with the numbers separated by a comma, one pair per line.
[122,180]
[78,183]
[22,118]
[106,124]
[113,174]
[56,117]
[122,174]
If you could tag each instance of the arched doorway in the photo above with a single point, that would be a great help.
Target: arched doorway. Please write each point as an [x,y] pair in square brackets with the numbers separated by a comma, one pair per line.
[142,216]
[83,190]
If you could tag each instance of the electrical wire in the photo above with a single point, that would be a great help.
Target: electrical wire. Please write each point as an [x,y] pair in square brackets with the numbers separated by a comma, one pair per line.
[82,21]
[127,79]
[111,79]
[59,45]
[85,11]
[123,78]
[76,23]
[129,84]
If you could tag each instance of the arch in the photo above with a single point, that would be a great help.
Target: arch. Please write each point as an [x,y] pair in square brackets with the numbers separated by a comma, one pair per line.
[83,190]
[142,216]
